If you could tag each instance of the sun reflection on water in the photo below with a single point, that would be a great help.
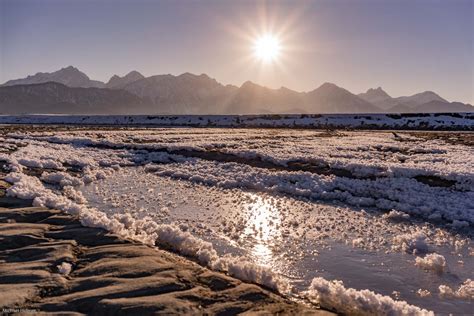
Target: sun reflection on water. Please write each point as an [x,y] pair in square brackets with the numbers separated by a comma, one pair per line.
[263,228]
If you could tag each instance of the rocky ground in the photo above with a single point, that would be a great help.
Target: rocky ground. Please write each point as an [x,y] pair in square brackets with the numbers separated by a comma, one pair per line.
[50,263]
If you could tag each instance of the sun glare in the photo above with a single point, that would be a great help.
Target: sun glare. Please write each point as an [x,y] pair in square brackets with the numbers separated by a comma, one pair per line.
[267,48]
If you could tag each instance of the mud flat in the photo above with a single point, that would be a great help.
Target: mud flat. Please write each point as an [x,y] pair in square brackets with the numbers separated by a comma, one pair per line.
[50,263]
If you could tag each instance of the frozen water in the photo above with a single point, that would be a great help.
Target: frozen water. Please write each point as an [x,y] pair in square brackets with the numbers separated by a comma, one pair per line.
[298,238]
[391,216]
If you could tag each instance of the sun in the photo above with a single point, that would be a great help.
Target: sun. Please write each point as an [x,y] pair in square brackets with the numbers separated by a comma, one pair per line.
[267,48]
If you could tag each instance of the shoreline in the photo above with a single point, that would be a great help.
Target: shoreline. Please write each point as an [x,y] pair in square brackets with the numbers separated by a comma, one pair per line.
[49,262]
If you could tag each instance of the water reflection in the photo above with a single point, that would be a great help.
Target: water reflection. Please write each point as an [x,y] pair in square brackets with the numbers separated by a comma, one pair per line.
[263,228]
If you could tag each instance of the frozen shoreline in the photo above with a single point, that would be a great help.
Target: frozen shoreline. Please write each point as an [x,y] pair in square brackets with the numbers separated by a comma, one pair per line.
[65,160]
[93,271]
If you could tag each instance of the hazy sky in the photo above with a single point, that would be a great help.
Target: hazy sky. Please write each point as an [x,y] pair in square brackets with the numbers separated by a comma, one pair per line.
[404,46]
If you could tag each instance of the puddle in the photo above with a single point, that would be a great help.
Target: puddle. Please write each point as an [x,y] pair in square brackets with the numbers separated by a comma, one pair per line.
[297,238]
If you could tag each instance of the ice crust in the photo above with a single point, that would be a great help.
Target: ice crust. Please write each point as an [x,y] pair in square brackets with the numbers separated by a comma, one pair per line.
[402,194]
[432,261]
[465,291]
[333,294]
[394,164]
[395,191]
[144,230]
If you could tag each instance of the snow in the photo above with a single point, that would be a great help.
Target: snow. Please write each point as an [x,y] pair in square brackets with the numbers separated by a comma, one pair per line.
[61,178]
[358,242]
[423,293]
[432,261]
[144,230]
[402,194]
[465,291]
[289,216]
[172,237]
[420,121]
[74,195]
[333,294]
[411,243]
[366,155]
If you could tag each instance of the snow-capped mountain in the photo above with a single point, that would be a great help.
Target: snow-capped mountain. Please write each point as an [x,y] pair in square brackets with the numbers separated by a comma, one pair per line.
[69,76]
[197,94]
[117,82]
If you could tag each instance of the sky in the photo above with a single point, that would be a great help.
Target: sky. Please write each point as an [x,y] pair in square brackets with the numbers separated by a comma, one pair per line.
[404,46]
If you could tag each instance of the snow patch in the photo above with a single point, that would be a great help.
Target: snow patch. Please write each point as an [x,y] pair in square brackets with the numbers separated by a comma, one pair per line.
[410,242]
[432,261]
[465,291]
[333,295]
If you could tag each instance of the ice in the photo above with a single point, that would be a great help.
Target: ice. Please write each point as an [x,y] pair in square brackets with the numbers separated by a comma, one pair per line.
[363,216]
[402,194]
[432,261]
[465,291]
[349,301]
[412,242]
[144,230]
[61,178]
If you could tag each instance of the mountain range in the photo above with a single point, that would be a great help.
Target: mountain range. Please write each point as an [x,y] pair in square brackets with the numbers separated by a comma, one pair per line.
[70,91]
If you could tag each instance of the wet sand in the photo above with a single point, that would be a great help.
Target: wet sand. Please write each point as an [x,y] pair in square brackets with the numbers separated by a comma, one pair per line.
[110,275]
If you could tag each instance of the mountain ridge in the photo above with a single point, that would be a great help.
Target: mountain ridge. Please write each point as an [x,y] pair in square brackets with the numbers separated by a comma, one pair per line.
[69,76]
[189,93]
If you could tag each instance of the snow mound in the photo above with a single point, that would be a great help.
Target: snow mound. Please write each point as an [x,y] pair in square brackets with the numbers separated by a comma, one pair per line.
[61,178]
[432,261]
[251,272]
[465,291]
[410,243]
[333,294]
[173,238]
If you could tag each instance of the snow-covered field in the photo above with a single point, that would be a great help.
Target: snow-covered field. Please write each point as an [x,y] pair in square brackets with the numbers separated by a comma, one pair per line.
[391,215]
[422,121]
